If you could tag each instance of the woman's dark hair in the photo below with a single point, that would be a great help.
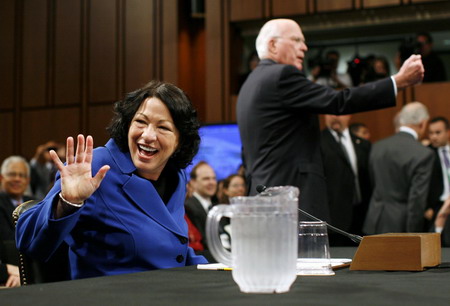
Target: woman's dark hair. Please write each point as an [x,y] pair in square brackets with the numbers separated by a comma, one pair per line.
[180,107]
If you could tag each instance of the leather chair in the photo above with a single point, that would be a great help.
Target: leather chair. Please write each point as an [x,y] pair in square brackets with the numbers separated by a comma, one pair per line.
[33,271]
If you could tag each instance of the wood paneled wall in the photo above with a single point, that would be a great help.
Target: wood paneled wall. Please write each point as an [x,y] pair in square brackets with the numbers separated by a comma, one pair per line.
[65,62]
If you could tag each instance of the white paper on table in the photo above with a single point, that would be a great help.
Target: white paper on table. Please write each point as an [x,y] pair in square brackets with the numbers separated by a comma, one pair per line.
[335,262]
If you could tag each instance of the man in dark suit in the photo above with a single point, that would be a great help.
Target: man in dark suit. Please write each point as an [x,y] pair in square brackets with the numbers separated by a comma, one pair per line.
[439,135]
[400,167]
[277,113]
[15,178]
[346,168]
[204,184]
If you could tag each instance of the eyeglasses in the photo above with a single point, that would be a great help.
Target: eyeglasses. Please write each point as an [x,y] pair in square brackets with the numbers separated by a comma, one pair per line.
[295,39]
[11,175]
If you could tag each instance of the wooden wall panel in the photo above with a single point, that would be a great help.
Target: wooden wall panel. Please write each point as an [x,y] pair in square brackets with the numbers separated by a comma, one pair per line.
[7,138]
[421,1]
[103,36]
[169,41]
[67,62]
[246,10]
[35,53]
[7,50]
[139,47]
[191,62]
[289,7]
[379,3]
[327,5]
[217,94]
[40,126]
[435,96]
[99,118]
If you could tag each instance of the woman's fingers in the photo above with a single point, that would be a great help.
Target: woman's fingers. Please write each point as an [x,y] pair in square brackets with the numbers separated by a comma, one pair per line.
[80,149]
[98,178]
[89,148]
[69,151]
[54,156]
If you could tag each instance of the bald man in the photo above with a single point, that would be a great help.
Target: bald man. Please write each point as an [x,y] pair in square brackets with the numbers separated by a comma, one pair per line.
[277,113]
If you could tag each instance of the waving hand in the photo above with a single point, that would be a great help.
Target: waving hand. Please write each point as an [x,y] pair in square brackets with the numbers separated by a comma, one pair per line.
[77,183]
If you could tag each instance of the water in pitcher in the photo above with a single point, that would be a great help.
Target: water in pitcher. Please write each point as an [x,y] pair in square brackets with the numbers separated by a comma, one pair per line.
[270,257]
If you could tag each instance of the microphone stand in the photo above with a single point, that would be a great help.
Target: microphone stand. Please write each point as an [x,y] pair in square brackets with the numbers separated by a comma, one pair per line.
[355,238]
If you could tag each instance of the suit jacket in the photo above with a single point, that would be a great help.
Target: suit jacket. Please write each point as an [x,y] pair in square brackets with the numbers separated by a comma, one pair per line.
[123,227]
[279,127]
[197,214]
[436,183]
[340,179]
[401,169]
[7,228]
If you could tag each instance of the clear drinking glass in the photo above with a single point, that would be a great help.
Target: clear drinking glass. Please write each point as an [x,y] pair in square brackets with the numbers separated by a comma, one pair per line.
[313,249]
[263,239]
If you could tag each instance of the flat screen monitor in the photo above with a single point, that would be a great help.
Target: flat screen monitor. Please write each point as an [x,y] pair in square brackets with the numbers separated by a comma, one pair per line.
[220,147]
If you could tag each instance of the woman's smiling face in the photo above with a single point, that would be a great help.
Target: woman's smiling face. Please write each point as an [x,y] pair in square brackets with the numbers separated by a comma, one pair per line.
[152,138]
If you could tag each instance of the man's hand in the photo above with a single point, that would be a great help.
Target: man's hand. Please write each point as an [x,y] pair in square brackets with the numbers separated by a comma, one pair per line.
[411,72]
[443,214]
[13,276]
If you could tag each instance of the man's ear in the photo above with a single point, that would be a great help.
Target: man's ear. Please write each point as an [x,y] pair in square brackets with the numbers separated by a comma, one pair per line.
[273,46]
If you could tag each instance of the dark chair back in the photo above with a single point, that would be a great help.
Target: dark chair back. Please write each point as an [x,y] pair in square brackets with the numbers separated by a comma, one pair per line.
[33,271]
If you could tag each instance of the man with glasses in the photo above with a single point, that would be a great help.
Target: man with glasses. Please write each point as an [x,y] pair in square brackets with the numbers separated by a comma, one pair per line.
[277,112]
[14,177]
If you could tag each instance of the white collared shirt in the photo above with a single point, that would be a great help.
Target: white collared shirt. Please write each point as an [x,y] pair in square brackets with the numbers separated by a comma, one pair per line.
[206,203]
[410,131]
[348,144]
[445,174]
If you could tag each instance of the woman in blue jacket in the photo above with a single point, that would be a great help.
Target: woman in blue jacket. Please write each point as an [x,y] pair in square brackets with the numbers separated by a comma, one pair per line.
[129,216]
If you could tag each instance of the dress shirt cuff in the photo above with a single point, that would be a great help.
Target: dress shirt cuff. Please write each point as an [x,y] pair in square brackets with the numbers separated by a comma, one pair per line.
[395,85]
[438,229]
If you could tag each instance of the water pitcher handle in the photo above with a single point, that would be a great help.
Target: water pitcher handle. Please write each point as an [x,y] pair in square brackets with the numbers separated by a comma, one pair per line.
[212,233]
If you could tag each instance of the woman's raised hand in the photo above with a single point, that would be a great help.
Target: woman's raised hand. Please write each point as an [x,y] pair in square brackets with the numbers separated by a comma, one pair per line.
[77,183]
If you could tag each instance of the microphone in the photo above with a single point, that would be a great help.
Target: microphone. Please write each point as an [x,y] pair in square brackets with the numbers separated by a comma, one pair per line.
[355,238]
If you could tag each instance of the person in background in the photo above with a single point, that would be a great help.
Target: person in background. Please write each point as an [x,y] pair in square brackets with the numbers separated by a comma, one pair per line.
[277,114]
[14,179]
[204,183]
[346,168]
[400,168]
[43,169]
[378,69]
[439,136]
[327,73]
[233,186]
[434,67]
[9,274]
[120,207]
[360,129]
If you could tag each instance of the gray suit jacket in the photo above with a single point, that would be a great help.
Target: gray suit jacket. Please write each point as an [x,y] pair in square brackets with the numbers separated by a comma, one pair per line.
[401,169]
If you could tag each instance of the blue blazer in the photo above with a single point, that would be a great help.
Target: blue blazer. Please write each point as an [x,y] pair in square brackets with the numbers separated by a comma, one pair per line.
[123,227]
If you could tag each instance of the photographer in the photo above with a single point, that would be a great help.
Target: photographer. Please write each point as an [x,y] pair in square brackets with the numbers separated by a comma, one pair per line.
[434,68]
[325,72]
[423,45]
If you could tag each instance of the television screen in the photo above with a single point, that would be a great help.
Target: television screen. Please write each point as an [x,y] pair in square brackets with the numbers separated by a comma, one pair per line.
[220,147]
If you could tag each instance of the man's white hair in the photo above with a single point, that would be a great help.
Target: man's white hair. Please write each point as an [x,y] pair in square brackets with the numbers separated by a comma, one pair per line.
[14,159]
[269,30]
[413,114]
